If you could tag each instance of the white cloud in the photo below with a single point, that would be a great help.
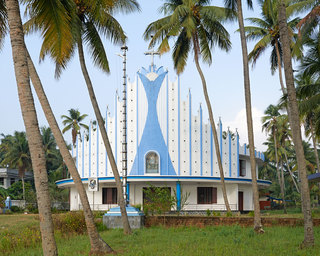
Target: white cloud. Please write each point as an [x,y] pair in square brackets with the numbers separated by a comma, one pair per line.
[240,123]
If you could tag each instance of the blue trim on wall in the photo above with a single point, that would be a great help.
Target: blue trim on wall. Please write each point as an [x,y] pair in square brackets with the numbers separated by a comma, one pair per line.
[238,164]
[169,178]
[97,131]
[230,166]
[83,155]
[178,194]
[106,150]
[167,85]
[178,125]
[190,135]
[211,150]
[90,127]
[116,129]
[245,148]
[201,153]
[152,137]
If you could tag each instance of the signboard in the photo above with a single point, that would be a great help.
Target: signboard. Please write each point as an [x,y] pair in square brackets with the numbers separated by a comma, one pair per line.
[93,184]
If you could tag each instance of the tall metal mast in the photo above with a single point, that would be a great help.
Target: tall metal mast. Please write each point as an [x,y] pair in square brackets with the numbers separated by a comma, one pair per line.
[124,122]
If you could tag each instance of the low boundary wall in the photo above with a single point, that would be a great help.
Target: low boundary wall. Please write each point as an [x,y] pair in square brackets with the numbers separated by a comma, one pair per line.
[202,221]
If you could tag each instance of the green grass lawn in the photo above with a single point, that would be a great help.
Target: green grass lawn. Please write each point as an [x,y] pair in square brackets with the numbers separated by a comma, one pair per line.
[214,240]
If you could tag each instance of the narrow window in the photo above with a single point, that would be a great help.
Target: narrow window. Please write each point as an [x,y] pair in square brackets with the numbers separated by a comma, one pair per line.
[207,195]
[109,195]
[1,181]
[242,165]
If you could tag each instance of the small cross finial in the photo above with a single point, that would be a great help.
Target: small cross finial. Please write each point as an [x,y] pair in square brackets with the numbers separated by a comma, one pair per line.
[152,53]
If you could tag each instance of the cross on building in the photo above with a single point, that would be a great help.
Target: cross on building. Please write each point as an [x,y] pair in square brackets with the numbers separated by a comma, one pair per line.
[152,53]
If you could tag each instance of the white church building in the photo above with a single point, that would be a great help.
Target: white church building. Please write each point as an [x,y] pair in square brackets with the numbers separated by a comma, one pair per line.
[168,146]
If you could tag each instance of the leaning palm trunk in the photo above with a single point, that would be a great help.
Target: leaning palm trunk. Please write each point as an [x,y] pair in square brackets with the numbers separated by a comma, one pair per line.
[214,131]
[125,222]
[291,174]
[257,217]
[97,244]
[32,129]
[295,126]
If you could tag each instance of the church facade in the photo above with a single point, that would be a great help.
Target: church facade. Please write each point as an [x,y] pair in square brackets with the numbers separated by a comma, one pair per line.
[167,146]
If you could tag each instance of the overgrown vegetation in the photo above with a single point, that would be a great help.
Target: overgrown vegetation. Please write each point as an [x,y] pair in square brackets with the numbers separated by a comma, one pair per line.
[217,240]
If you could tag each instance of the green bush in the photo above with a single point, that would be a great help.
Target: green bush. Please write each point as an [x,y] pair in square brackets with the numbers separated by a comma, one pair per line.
[71,222]
[15,208]
[137,206]
[229,214]
[208,212]
[251,214]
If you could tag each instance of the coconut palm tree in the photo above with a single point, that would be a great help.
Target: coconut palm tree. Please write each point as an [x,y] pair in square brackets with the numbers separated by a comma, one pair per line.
[295,124]
[16,154]
[88,19]
[270,123]
[308,94]
[73,122]
[266,30]
[197,27]
[31,123]
[237,6]
[310,22]
[97,244]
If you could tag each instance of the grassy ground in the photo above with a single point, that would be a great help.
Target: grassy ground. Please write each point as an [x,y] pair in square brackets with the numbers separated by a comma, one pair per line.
[291,213]
[217,240]
[193,241]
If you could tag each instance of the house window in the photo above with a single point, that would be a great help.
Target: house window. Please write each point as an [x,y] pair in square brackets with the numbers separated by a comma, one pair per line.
[207,195]
[109,195]
[242,165]
[12,180]
[152,162]
[1,181]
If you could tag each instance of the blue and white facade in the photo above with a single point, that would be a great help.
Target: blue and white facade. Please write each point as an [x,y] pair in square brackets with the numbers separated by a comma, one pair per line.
[168,145]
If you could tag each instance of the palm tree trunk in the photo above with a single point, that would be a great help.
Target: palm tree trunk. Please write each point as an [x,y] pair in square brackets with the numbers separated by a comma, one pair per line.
[32,129]
[23,189]
[283,189]
[295,126]
[97,244]
[257,217]
[284,91]
[214,131]
[291,174]
[122,204]
[314,141]
[277,167]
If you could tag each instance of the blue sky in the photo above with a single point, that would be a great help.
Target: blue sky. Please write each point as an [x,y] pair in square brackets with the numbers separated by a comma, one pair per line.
[224,78]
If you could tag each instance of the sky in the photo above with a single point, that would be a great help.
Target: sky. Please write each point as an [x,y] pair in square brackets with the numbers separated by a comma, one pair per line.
[224,78]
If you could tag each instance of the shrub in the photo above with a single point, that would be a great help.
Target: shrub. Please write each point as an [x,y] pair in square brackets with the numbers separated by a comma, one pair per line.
[137,206]
[15,208]
[208,212]
[251,214]
[71,222]
[217,214]
[229,214]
